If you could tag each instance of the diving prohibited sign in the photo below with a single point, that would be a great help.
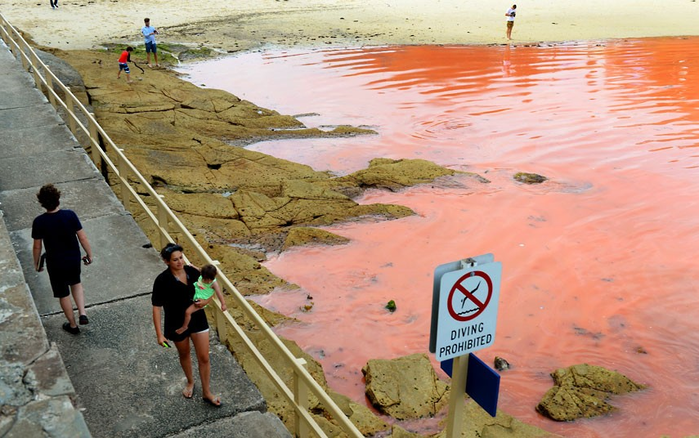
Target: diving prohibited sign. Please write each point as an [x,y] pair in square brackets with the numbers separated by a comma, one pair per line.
[464,306]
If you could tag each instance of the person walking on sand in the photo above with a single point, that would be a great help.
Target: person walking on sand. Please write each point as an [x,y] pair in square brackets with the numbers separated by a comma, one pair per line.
[149,33]
[124,60]
[510,14]
[60,231]
[173,291]
[54,4]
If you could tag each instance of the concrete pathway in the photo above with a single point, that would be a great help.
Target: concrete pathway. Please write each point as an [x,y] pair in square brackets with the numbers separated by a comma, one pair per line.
[125,385]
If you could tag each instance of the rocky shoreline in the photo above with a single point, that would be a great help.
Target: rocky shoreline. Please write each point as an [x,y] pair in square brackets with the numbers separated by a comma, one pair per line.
[243,205]
[240,205]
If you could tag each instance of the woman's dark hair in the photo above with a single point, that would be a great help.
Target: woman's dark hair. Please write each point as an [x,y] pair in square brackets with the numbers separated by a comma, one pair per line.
[49,196]
[166,253]
[208,272]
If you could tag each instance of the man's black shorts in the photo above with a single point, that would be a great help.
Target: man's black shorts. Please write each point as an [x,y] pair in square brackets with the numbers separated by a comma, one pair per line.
[62,276]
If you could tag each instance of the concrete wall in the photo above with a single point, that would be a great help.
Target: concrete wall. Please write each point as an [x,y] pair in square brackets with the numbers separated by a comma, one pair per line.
[35,391]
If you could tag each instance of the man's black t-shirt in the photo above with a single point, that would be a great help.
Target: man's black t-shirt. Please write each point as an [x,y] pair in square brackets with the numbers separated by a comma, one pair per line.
[58,232]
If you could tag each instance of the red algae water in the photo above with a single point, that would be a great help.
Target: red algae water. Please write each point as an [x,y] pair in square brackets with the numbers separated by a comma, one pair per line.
[599,262]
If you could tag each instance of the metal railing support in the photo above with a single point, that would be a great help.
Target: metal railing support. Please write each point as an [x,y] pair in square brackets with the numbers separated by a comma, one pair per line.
[52,99]
[301,398]
[94,141]
[71,109]
[123,179]
[163,222]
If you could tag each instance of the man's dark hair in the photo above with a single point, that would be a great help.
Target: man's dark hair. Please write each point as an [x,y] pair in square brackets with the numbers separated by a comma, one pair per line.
[49,196]
[129,49]
[208,272]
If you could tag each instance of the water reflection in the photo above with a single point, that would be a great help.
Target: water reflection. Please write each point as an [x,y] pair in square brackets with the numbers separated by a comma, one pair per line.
[599,263]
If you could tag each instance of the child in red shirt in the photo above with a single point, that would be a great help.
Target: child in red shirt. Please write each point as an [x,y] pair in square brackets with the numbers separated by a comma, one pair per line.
[124,59]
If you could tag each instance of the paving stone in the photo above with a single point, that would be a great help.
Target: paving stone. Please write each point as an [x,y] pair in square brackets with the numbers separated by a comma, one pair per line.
[52,418]
[131,387]
[245,425]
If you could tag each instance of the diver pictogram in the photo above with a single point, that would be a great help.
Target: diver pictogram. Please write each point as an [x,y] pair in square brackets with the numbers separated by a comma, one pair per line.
[475,290]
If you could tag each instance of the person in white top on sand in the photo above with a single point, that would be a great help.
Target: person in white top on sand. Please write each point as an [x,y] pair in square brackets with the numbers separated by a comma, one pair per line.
[510,14]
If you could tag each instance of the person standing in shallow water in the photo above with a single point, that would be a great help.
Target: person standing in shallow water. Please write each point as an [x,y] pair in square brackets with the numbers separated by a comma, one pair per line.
[61,231]
[510,14]
[173,291]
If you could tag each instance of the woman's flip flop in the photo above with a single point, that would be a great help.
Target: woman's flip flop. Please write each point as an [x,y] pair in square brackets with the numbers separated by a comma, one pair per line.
[188,394]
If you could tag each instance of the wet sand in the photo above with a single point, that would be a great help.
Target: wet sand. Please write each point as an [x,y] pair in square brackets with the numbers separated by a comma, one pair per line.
[234,26]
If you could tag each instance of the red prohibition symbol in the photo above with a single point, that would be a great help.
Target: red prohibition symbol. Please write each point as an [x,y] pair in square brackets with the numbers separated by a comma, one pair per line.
[467,314]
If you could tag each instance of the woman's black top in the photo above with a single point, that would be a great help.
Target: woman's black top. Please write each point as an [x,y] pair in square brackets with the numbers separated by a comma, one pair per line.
[174,297]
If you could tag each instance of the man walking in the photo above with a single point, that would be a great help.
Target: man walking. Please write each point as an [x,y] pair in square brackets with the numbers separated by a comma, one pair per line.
[149,33]
[510,14]
[61,232]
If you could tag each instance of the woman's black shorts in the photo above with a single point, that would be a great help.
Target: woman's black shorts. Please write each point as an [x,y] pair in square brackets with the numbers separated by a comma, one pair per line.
[197,324]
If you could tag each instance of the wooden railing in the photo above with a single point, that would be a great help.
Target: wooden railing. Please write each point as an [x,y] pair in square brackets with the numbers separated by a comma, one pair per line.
[84,127]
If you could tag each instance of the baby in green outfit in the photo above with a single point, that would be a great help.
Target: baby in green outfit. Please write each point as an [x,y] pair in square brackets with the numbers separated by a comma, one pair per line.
[204,289]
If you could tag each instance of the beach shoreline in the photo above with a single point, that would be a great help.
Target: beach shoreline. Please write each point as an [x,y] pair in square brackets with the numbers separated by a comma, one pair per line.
[229,28]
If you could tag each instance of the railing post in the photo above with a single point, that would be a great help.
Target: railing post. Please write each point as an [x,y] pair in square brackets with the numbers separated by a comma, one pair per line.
[301,399]
[23,57]
[33,62]
[71,111]
[49,86]
[94,140]
[123,179]
[221,324]
[4,32]
[162,222]
[14,48]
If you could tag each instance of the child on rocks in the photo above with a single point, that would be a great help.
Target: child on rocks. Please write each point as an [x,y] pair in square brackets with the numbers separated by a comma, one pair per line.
[124,60]
[204,289]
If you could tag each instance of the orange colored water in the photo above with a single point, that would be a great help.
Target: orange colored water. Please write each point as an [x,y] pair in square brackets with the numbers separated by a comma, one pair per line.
[599,263]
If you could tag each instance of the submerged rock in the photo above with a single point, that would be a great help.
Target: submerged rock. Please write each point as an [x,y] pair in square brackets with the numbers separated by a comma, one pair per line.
[501,364]
[582,391]
[529,178]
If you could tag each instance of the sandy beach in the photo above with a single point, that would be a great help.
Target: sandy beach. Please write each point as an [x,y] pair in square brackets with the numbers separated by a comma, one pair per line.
[234,26]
